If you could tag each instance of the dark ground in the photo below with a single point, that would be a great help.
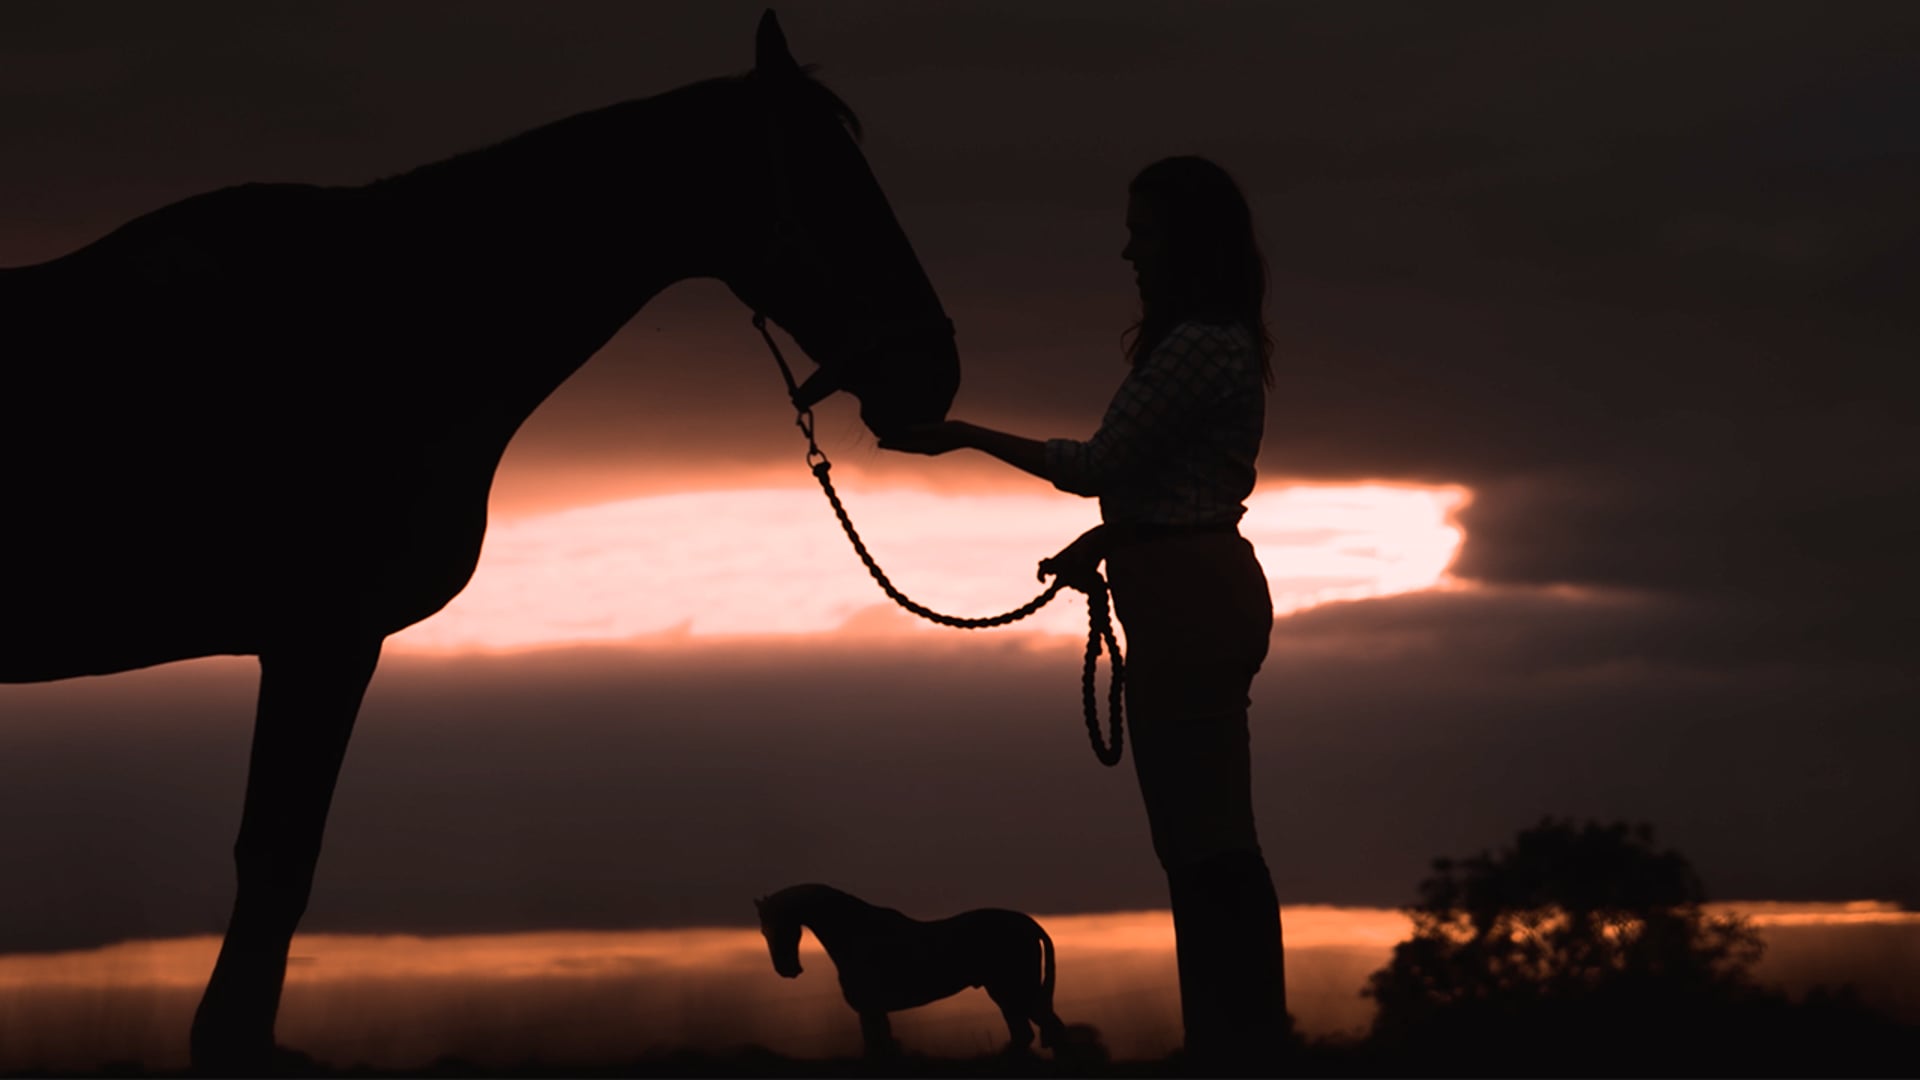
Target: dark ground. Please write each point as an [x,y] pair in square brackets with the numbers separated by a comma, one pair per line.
[1890,1052]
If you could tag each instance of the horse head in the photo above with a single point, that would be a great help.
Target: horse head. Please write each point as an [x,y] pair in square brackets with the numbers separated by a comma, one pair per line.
[829,263]
[782,932]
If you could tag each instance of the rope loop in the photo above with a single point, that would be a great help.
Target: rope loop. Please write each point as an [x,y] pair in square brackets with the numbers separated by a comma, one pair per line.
[1099,627]
[1099,620]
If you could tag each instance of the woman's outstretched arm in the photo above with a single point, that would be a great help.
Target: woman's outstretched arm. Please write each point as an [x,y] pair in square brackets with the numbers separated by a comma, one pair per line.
[1027,455]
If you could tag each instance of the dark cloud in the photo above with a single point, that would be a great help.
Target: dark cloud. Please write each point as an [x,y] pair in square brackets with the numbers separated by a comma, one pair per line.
[1639,278]
[665,786]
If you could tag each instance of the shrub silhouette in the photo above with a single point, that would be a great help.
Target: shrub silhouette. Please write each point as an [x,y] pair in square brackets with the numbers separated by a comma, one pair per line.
[1576,942]
[1566,912]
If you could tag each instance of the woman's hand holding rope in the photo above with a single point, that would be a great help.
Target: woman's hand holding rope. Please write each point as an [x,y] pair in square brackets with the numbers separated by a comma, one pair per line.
[1077,566]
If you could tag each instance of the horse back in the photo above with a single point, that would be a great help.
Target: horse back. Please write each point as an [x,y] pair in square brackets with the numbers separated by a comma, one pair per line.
[914,963]
[188,296]
[995,934]
[212,418]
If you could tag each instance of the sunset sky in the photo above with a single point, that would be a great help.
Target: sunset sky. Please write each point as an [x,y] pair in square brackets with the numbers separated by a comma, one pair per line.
[1581,489]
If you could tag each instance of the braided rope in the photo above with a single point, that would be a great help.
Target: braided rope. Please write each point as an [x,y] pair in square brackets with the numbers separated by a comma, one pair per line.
[886,586]
[1099,619]
[1099,622]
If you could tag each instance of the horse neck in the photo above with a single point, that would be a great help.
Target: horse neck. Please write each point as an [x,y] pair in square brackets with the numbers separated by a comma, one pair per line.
[826,911]
[537,250]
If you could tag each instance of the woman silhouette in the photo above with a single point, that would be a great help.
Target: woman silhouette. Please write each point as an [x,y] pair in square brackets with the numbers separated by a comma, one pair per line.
[1172,465]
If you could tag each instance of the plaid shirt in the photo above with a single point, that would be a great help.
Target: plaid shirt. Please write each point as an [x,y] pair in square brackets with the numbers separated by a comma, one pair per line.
[1178,443]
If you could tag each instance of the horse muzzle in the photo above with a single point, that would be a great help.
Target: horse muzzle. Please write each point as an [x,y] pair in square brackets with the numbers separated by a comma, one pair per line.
[918,387]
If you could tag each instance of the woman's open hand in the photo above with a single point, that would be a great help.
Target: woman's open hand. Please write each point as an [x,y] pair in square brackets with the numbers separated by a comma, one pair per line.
[930,439]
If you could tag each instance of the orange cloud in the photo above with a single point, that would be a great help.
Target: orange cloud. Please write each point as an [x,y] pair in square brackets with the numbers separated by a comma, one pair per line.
[773,560]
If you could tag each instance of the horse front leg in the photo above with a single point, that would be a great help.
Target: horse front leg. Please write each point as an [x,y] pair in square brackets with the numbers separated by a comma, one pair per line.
[309,698]
[877,1032]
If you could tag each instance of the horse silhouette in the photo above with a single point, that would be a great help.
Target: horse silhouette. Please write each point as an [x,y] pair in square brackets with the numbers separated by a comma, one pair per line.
[888,961]
[265,420]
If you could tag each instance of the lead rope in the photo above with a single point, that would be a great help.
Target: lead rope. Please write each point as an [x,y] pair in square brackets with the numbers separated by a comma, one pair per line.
[1099,620]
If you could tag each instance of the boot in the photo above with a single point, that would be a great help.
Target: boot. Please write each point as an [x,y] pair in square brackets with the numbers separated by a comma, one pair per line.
[1227,943]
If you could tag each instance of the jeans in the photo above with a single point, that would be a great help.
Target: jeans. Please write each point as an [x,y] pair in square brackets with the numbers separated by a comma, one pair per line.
[1197,615]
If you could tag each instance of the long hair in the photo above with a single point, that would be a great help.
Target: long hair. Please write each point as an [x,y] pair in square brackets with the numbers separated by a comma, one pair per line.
[1214,269]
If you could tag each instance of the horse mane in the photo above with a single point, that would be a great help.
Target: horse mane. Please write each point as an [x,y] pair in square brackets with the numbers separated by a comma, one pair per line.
[820,97]
[814,898]
[793,895]
[528,145]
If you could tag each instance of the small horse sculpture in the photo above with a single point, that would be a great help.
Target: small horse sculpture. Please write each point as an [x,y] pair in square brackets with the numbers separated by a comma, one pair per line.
[888,962]
[264,421]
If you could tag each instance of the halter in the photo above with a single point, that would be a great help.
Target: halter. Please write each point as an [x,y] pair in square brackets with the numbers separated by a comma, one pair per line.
[1099,621]
[790,244]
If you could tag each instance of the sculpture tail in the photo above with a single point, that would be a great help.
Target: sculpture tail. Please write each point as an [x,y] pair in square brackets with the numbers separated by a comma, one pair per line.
[1046,970]
[1049,1021]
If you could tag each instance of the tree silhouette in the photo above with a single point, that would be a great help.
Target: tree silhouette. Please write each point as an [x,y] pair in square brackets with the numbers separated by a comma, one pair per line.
[1566,912]
[1569,941]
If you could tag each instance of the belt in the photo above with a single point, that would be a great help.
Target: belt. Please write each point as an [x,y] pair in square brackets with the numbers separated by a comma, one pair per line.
[1134,532]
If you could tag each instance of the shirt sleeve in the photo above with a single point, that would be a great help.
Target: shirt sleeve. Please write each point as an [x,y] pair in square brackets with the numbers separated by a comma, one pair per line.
[1156,405]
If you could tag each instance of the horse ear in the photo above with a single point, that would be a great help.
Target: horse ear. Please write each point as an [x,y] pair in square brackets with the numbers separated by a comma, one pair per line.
[759,903]
[770,55]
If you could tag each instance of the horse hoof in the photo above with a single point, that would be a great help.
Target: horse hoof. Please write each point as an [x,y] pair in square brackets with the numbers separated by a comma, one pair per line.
[272,1060]
[230,1058]
[290,1062]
